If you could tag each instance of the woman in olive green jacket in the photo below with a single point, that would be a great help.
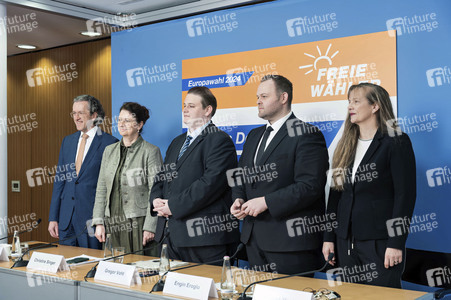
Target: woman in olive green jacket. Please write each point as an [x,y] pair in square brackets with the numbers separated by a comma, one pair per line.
[126,176]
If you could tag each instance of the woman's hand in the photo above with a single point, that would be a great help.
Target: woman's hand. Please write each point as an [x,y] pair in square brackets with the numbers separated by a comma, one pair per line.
[100,233]
[148,237]
[328,248]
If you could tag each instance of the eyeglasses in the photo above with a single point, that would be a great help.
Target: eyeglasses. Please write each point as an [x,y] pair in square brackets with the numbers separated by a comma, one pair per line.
[127,121]
[78,113]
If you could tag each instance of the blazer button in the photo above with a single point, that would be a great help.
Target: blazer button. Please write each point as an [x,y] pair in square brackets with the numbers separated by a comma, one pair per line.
[73,198]
[76,182]
[125,202]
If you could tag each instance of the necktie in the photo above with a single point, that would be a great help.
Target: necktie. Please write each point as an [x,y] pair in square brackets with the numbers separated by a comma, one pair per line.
[262,147]
[185,146]
[81,152]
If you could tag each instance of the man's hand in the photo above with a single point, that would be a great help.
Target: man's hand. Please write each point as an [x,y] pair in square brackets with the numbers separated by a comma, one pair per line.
[328,248]
[392,257]
[100,233]
[235,209]
[255,206]
[147,237]
[161,207]
[53,229]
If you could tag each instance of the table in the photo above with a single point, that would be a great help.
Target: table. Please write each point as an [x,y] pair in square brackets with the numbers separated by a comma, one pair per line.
[19,283]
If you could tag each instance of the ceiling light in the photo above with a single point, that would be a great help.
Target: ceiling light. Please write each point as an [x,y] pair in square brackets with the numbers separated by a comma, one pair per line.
[90,33]
[27,47]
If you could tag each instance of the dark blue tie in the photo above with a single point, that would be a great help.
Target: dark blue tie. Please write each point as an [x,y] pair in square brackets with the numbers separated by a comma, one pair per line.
[185,146]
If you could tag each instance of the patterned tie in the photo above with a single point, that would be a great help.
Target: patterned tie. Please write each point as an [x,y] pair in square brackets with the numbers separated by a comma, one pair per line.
[81,152]
[262,147]
[185,146]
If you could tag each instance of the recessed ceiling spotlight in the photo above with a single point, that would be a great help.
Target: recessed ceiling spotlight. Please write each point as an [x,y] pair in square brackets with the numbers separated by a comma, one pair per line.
[90,33]
[27,47]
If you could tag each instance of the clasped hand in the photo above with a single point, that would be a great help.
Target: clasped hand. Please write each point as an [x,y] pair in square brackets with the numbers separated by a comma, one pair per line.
[252,207]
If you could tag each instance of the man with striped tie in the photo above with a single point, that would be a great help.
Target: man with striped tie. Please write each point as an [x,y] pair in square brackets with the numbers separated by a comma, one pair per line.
[192,204]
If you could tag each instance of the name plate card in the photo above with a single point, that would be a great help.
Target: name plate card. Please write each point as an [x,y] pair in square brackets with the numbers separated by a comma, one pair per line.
[51,263]
[264,292]
[3,254]
[190,286]
[117,273]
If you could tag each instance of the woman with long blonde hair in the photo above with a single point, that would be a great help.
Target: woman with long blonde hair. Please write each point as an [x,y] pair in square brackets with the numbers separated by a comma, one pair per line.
[373,190]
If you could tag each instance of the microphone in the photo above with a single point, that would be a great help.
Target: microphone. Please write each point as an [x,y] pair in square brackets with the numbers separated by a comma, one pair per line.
[23,263]
[158,287]
[23,231]
[93,270]
[244,297]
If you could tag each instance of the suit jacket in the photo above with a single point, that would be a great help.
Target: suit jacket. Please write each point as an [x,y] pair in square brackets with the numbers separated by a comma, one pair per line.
[73,200]
[384,189]
[197,190]
[294,193]
[142,163]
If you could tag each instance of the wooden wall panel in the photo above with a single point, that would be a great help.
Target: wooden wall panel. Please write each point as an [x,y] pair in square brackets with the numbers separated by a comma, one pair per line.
[51,103]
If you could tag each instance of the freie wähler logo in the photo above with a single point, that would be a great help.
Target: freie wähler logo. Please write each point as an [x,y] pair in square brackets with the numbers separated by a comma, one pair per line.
[438,76]
[417,23]
[54,74]
[151,74]
[312,24]
[438,176]
[333,73]
[211,24]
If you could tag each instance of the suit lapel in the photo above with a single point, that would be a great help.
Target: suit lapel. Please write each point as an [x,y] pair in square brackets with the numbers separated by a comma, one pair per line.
[280,135]
[371,149]
[91,153]
[73,143]
[253,144]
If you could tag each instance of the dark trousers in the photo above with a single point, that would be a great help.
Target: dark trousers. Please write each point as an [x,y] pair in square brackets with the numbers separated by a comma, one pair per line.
[363,262]
[282,262]
[201,254]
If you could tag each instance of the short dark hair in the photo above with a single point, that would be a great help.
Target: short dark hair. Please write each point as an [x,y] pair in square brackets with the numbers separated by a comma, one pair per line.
[94,106]
[140,112]
[283,85]
[207,97]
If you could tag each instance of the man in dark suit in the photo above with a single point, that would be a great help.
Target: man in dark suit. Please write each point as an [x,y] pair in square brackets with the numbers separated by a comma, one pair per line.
[280,193]
[193,203]
[81,155]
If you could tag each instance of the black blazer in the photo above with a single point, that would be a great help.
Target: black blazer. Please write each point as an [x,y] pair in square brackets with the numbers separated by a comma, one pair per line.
[363,208]
[295,193]
[197,190]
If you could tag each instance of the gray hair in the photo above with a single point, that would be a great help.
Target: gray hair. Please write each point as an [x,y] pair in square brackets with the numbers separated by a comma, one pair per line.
[94,106]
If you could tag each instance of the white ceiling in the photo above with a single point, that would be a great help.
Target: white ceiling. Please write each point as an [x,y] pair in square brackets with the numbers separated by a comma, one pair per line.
[53,23]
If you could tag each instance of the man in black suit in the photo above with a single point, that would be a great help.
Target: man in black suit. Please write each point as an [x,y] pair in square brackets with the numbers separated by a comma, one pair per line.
[193,202]
[280,192]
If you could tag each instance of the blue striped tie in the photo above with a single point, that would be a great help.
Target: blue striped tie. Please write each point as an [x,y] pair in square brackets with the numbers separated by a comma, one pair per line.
[185,146]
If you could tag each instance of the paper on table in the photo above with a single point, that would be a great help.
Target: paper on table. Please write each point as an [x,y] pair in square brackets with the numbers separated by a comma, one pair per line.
[91,259]
[154,264]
